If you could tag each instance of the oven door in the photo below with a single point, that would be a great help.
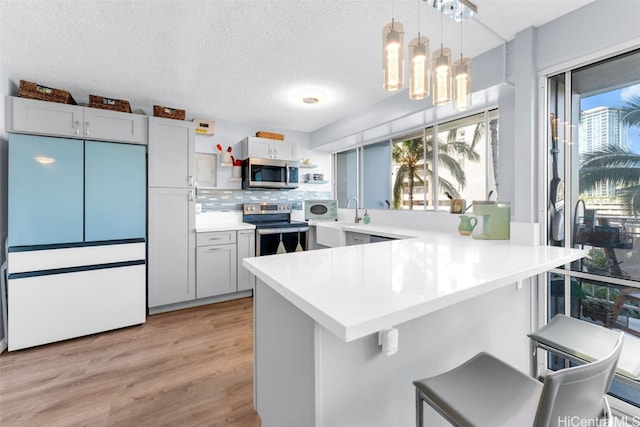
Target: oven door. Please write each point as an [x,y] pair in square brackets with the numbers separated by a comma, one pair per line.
[268,239]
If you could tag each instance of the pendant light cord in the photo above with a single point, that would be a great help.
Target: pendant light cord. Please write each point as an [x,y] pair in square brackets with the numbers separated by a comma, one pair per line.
[461,39]
[419,24]
[441,31]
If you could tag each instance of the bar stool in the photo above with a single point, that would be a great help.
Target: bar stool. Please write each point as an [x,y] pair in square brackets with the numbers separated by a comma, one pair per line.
[582,342]
[485,391]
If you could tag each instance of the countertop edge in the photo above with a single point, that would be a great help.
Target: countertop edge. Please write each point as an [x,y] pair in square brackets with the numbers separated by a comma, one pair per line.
[355,331]
[225,227]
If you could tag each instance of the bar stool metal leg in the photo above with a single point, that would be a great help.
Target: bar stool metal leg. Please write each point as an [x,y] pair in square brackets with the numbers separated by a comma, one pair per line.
[419,409]
[534,359]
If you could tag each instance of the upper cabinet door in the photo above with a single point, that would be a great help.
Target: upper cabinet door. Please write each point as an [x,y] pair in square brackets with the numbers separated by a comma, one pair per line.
[285,150]
[114,126]
[52,118]
[115,191]
[171,153]
[41,117]
[45,190]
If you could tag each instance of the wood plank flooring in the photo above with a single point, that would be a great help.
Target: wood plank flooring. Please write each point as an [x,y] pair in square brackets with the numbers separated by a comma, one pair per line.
[191,367]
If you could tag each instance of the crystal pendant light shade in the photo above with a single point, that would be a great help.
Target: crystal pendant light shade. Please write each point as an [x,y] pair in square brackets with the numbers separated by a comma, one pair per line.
[441,76]
[462,84]
[392,56]
[420,70]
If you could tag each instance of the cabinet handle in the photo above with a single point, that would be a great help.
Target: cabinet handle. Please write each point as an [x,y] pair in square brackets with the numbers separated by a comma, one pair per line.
[191,180]
[275,153]
[86,128]
[77,126]
[215,249]
[191,196]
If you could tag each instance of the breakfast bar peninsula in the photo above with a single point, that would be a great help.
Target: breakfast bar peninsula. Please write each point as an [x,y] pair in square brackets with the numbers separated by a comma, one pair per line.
[318,314]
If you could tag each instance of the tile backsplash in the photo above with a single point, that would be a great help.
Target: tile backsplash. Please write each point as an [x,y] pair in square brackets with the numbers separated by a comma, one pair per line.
[212,200]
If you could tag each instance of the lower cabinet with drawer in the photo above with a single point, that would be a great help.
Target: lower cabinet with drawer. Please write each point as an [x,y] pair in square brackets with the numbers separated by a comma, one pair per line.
[216,263]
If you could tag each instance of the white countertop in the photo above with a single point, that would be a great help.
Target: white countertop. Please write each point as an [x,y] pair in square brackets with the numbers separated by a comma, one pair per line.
[355,291]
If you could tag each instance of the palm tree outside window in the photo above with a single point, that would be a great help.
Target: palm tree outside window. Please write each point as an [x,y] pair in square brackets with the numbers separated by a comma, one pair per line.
[461,163]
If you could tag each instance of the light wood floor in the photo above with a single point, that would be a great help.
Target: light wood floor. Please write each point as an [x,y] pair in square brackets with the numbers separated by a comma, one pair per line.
[191,367]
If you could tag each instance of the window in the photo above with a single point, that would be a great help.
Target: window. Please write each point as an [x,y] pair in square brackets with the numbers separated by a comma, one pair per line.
[346,173]
[466,166]
[376,159]
[594,195]
[404,172]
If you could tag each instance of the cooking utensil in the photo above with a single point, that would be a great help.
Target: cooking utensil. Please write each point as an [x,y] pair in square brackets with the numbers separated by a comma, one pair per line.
[281,249]
[299,247]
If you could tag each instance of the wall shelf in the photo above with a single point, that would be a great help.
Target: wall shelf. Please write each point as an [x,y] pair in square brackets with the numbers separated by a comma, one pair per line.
[315,182]
[306,166]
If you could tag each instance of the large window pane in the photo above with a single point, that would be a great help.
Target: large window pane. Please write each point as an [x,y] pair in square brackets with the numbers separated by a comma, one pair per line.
[411,172]
[465,166]
[346,176]
[376,175]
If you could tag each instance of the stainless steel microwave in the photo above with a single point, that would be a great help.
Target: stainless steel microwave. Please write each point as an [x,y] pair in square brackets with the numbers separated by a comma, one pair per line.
[269,173]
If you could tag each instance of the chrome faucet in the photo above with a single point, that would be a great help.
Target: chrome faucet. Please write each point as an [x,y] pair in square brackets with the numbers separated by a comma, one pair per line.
[357,218]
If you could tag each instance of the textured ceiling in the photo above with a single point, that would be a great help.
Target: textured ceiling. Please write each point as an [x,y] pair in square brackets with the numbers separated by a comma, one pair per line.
[237,60]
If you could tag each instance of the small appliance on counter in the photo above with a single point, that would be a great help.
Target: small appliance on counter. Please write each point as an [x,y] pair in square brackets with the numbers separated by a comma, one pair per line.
[496,220]
[321,210]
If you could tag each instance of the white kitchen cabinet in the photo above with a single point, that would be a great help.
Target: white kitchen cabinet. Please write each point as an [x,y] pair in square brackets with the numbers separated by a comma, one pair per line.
[172,243]
[206,170]
[266,148]
[172,155]
[216,264]
[32,116]
[246,242]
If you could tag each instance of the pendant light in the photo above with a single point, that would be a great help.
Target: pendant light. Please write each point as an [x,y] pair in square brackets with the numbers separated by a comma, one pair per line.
[419,70]
[441,73]
[392,55]
[461,81]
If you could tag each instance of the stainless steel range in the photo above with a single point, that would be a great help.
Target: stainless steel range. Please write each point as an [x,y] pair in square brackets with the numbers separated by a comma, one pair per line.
[275,232]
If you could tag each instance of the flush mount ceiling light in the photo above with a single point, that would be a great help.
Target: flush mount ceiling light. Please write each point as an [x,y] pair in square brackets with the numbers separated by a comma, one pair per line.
[309,96]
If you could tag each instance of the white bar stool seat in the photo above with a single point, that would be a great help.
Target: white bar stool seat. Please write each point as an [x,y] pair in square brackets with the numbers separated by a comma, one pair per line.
[486,392]
[583,342]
